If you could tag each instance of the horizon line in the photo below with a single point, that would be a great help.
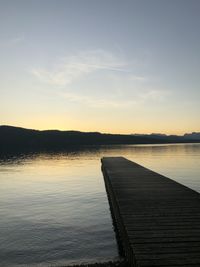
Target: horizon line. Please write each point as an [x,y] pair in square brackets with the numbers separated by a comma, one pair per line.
[72,130]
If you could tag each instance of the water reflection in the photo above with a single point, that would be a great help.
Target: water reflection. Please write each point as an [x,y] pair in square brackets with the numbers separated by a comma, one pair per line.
[54,208]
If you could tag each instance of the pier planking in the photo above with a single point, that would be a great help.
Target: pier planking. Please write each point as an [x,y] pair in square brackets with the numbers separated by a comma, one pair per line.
[157,220]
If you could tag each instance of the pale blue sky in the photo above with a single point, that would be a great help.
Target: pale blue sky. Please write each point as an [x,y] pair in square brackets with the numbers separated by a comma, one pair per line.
[110,66]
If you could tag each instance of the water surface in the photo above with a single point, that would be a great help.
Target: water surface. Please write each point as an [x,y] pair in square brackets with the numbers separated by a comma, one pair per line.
[54,208]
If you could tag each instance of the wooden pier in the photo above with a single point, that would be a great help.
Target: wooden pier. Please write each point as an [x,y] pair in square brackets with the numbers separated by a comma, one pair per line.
[157,219]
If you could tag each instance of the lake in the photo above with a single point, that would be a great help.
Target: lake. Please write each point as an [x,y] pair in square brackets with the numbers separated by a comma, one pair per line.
[53,206]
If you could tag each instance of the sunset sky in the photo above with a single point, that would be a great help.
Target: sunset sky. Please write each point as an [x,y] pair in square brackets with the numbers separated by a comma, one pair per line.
[100,65]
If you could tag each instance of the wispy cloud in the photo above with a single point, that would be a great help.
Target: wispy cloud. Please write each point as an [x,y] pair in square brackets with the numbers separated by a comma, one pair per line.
[154,94]
[95,102]
[74,67]
[133,77]
[137,99]
[119,87]
[12,41]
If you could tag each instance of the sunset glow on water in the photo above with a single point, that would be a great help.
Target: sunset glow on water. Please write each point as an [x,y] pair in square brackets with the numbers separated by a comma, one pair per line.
[54,207]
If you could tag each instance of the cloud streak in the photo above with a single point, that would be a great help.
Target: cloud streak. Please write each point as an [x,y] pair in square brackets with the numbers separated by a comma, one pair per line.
[138,99]
[119,89]
[73,68]
[12,42]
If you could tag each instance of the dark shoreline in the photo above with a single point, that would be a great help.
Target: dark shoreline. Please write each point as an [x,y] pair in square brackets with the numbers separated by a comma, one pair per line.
[15,139]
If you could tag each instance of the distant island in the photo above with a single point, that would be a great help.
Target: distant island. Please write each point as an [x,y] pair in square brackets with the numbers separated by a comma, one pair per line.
[16,138]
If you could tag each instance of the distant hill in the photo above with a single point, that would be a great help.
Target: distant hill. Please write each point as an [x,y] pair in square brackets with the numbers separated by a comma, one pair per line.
[192,136]
[16,138]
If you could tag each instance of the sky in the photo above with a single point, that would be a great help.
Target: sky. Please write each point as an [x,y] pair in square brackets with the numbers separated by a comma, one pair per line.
[114,66]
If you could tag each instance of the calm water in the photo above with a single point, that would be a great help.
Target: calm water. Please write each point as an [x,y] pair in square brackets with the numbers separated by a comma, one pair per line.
[54,209]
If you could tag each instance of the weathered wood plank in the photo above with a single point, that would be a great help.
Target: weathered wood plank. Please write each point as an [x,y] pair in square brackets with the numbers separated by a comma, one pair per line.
[157,219]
